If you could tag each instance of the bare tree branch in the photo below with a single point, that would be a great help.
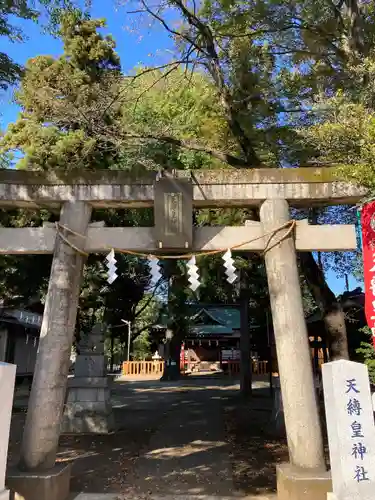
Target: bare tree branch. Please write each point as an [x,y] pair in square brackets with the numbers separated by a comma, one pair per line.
[170,30]
[257,33]
[356,31]
[138,313]
[91,120]
[336,9]
[191,145]
[138,332]
[213,65]
[174,64]
[328,38]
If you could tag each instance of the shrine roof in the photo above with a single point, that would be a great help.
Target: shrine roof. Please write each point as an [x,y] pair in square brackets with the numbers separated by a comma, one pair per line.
[214,320]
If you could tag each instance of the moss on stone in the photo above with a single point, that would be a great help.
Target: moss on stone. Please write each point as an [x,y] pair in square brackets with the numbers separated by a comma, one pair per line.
[141,176]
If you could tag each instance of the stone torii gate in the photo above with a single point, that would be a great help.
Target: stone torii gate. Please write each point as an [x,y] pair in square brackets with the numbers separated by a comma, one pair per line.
[76,194]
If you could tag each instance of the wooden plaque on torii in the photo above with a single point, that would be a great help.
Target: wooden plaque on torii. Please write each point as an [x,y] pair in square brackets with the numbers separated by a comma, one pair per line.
[173,214]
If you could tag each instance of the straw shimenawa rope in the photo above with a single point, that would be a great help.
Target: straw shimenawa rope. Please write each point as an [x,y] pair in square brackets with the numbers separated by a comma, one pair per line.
[289,226]
[59,228]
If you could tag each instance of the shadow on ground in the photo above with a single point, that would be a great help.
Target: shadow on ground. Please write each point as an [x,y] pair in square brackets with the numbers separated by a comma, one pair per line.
[193,437]
[255,450]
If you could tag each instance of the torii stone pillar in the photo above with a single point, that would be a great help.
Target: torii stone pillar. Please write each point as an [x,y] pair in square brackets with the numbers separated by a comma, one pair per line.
[43,480]
[302,421]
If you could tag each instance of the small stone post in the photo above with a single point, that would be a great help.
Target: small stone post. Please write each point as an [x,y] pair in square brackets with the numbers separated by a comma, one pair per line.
[42,428]
[296,376]
[7,379]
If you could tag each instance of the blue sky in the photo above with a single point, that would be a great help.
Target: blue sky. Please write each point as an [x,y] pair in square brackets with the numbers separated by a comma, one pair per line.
[136,45]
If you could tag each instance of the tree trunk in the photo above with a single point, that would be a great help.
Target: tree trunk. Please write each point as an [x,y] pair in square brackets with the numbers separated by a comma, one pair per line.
[172,358]
[333,314]
[245,347]
[112,349]
[356,31]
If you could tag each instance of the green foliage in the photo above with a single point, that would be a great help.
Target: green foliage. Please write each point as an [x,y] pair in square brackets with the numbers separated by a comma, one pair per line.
[57,9]
[10,12]
[345,136]
[61,98]
[66,102]
[114,349]
[143,317]
[367,354]
[294,53]
[10,71]
[160,104]
[257,98]
[271,65]
[14,288]
[5,160]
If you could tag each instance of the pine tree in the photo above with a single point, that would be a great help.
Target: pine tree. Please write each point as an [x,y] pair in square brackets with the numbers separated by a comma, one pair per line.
[66,101]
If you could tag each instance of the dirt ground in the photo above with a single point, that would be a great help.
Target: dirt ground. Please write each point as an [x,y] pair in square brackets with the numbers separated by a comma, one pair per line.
[106,464]
[255,451]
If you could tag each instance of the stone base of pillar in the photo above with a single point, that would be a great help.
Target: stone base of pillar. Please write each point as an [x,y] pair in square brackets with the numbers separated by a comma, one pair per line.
[53,484]
[294,483]
[88,408]
[4,495]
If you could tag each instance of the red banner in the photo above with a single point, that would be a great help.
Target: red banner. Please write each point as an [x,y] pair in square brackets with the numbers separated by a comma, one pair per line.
[368,250]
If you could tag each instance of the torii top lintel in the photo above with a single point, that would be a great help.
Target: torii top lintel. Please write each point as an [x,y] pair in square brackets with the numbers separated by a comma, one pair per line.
[305,186]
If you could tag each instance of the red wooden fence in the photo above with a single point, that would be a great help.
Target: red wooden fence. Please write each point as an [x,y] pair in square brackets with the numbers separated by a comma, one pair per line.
[134,368]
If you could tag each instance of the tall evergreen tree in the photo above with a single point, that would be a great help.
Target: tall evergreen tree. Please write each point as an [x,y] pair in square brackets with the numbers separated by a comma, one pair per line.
[11,11]
[64,102]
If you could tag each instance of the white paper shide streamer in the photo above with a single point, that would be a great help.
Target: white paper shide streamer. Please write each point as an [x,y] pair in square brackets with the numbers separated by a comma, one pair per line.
[230,270]
[192,270]
[155,270]
[111,265]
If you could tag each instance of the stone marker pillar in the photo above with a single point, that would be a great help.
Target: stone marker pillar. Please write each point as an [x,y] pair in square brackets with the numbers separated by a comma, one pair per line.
[7,380]
[88,408]
[41,480]
[351,430]
[302,421]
